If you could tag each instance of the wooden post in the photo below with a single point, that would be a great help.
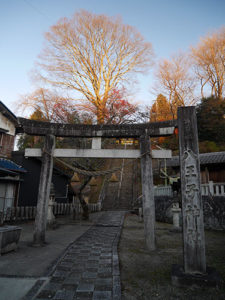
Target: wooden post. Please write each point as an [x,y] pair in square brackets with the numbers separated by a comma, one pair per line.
[44,191]
[192,210]
[96,143]
[211,189]
[147,192]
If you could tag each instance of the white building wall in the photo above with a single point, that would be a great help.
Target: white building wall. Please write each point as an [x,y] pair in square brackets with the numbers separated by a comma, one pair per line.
[6,124]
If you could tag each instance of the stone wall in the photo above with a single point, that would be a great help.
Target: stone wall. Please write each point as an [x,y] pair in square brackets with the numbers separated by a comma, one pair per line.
[163,206]
[214,211]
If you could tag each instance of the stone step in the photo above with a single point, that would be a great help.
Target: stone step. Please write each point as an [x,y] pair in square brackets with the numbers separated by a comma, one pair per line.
[125,193]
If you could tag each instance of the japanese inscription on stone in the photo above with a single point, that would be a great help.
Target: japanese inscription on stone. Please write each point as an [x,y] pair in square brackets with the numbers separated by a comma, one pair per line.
[192,209]
[193,224]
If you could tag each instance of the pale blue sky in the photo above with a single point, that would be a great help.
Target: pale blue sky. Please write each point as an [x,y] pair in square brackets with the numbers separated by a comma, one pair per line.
[170,25]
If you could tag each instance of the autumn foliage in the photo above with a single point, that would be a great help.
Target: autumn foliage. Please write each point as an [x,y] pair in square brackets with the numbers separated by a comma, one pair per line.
[118,109]
[49,107]
[162,110]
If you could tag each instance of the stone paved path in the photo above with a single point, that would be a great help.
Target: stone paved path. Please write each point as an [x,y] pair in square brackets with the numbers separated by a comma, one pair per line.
[90,267]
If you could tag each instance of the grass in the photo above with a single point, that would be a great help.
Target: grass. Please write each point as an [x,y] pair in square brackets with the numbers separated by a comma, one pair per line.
[147,275]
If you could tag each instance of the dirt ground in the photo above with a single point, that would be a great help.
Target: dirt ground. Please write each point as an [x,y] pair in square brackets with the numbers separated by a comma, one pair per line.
[146,275]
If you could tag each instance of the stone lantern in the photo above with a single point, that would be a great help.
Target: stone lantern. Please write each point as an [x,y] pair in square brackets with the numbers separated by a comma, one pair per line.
[176,216]
[51,202]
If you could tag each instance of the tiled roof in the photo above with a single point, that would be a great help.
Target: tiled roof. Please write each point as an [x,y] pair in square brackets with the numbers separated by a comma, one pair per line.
[205,159]
[211,158]
[10,165]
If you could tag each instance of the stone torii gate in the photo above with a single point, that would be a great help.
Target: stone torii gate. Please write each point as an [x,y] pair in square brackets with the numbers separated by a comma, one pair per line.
[193,226]
[52,130]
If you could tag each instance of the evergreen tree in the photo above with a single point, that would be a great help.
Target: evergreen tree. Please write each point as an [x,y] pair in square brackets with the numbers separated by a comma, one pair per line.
[161,110]
[211,121]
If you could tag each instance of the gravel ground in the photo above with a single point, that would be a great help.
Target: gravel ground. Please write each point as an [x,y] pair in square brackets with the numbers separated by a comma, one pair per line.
[147,275]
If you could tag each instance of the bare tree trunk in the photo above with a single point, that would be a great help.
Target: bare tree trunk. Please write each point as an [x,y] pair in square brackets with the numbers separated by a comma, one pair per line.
[101,111]
[83,204]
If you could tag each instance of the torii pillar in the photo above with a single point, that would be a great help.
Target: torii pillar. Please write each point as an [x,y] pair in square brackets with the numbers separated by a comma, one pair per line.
[44,191]
[147,192]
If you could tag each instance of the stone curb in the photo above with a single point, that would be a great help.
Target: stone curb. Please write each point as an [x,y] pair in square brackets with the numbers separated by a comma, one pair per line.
[115,261]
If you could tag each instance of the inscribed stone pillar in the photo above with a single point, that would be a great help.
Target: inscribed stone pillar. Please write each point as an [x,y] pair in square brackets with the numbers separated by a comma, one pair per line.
[147,192]
[192,210]
[44,190]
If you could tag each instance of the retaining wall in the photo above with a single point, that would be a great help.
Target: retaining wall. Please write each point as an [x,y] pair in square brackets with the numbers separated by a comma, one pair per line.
[214,211]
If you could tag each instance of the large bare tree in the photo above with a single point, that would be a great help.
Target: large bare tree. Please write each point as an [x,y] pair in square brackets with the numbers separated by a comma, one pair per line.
[209,62]
[93,54]
[174,80]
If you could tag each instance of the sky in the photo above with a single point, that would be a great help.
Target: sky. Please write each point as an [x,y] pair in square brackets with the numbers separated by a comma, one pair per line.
[170,25]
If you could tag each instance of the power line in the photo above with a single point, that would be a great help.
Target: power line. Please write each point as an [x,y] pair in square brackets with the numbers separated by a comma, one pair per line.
[37,10]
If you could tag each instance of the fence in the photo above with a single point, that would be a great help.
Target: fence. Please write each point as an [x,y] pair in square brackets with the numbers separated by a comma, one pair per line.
[163,190]
[214,189]
[211,188]
[29,212]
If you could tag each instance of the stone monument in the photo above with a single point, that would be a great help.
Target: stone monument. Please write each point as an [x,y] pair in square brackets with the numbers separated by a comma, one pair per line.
[194,271]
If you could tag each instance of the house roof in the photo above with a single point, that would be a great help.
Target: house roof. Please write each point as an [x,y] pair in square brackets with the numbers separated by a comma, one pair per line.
[11,166]
[205,159]
[19,156]
[4,172]
[7,113]
[2,130]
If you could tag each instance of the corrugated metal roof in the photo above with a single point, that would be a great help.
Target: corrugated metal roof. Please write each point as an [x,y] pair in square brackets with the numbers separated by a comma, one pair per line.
[205,159]
[10,165]
[7,172]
